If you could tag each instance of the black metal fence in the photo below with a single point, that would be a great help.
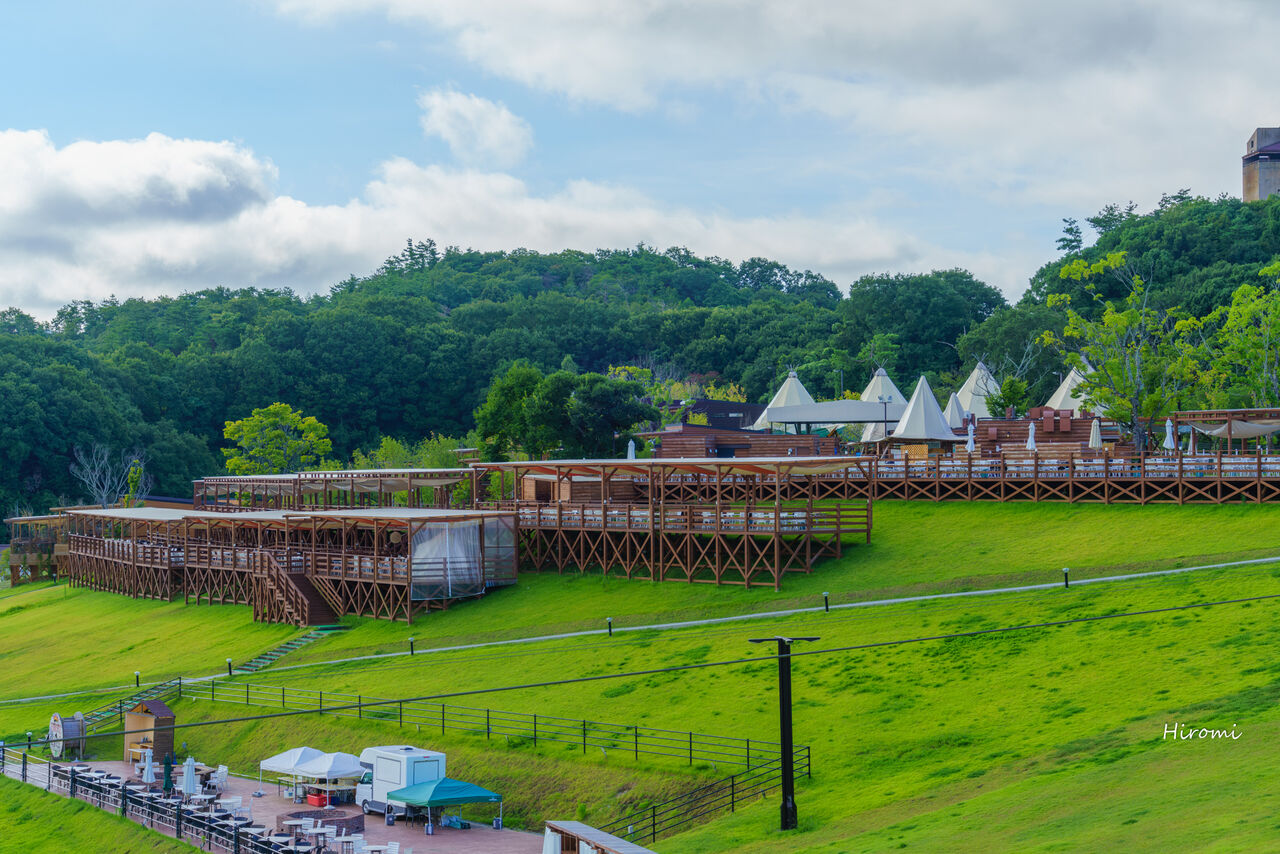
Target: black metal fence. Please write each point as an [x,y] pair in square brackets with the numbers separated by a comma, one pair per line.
[151,809]
[706,801]
[515,727]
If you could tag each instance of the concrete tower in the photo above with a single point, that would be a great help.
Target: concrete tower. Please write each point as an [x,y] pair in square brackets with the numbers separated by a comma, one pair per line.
[1262,165]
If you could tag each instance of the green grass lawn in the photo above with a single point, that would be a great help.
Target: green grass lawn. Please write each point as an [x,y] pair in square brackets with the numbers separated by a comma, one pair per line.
[59,639]
[1044,739]
[36,820]
[916,547]
[909,738]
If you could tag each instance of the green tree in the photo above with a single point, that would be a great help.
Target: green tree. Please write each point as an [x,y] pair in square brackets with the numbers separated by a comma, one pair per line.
[1011,394]
[1139,362]
[501,420]
[274,440]
[1071,240]
[1244,362]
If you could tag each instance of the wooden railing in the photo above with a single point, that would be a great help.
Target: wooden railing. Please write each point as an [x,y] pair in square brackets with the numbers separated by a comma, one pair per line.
[276,584]
[690,518]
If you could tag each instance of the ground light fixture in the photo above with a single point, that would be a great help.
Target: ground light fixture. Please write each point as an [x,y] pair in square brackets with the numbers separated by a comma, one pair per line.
[609,620]
[789,821]
[826,601]
[137,679]
[1066,578]
[411,646]
[228,667]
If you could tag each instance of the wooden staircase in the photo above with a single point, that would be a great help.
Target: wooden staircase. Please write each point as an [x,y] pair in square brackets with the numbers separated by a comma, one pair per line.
[281,596]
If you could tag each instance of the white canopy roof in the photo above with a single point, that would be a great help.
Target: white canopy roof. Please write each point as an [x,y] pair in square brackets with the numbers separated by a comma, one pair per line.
[880,386]
[331,766]
[923,420]
[287,762]
[1065,397]
[835,412]
[1240,429]
[954,413]
[792,393]
[973,394]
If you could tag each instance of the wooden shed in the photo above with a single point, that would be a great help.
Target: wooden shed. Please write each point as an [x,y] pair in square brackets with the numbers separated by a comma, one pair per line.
[577,489]
[150,724]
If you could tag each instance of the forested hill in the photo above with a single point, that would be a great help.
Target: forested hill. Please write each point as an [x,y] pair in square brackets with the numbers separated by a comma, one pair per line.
[411,349]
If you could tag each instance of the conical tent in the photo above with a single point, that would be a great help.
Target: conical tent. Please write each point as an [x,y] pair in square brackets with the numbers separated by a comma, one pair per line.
[973,394]
[880,389]
[1065,397]
[792,393]
[954,413]
[923,420]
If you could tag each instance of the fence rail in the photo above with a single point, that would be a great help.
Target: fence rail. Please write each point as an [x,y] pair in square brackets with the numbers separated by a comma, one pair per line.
[158,814]
[635,740]
[706,801]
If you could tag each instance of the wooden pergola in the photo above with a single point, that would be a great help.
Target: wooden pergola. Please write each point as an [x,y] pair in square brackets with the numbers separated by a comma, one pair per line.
[329,490]
[293,566]
[745,521]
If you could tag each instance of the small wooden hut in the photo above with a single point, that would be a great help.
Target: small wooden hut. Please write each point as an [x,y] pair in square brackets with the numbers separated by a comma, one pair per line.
[149,724]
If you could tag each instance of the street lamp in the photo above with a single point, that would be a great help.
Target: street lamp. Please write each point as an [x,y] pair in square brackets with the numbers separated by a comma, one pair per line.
[228,667]
[411,646]
[789,820]
[137,679]
[884,401]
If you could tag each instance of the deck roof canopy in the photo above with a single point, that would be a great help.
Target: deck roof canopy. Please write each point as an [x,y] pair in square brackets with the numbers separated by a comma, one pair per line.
[700,465]
[355,480]
[370,514]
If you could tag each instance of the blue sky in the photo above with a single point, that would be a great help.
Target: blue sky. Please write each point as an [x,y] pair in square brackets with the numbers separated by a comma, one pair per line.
[154,147]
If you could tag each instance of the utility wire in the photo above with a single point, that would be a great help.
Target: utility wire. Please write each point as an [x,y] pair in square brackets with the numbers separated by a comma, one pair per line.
[680,667]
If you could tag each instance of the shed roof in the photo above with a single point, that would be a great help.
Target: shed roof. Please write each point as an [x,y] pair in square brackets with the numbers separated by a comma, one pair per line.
[598,837]
[154,707]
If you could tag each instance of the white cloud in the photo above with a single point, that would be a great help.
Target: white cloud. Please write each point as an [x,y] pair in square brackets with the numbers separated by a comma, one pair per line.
[159,215]
[1068,104]
[478,131]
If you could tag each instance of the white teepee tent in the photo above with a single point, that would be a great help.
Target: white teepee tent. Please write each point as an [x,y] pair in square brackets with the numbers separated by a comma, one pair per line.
[880,387]
[954,413]
[1065,397]
[923,420]
[973,394]
[792,393]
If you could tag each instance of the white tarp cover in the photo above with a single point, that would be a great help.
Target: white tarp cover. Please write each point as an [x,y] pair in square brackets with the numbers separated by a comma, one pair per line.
[954,413]
[446,560]
[973,394]
[880,386]
[1241,429]
[331,766]
[1065,397]
[792,393]
[923,420]
[285,763]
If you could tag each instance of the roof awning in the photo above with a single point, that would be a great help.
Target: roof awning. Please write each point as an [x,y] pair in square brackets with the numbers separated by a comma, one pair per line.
[1240,429]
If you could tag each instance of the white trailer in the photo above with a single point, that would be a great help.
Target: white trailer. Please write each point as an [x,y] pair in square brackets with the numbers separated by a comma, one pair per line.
[394,767]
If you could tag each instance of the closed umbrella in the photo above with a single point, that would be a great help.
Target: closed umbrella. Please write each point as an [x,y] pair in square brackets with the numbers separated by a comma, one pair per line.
[148,769]
[1095,435]
[1031,436]
[968,443]
[1170,442]
[168,773]
[190,785]
[631,449]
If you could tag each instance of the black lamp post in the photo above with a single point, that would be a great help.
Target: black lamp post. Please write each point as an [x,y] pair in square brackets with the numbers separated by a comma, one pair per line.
[228,667]
[789,820]
[411,646]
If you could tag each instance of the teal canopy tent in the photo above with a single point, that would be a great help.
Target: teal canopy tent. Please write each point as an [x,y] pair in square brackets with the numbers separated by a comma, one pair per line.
[444,792]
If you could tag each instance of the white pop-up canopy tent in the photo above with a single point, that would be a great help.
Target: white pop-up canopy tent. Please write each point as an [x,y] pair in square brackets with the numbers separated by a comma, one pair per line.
[792,393]
[1065,398]
[287,762]
[973,394]
[880,390]
[331,766]
[954,413]
[923,420]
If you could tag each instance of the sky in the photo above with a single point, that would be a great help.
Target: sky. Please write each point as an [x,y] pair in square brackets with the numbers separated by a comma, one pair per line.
[152,147]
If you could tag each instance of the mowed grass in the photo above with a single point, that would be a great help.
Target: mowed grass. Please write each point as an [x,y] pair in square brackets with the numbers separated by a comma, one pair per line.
[993,737]
[36,820]
[915,548]
[59,639]
[1043,739]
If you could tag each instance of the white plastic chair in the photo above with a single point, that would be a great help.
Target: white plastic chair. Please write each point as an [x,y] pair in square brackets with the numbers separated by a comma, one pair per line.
[393,848]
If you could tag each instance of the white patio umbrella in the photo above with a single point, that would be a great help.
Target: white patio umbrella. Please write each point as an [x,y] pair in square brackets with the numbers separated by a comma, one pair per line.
[631,449]
[968,443]
[190,783]
[1190,440]
[1170,441]
[1031,436]
[148,769]
[1095,435]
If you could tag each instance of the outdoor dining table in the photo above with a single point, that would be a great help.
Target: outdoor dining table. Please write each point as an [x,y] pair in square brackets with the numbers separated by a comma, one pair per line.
[347,843]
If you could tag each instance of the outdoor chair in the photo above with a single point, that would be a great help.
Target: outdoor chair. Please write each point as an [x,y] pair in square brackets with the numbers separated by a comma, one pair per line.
[393,848]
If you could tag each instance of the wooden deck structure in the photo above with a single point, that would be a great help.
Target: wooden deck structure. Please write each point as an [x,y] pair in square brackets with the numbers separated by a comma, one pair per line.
[37,547]
[711,520]
[298,567]
[329,490]
[700,442]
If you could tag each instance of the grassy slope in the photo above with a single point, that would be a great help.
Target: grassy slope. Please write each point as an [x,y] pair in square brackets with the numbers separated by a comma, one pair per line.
[60,639]
[52,823]
[916,547]
[992,730]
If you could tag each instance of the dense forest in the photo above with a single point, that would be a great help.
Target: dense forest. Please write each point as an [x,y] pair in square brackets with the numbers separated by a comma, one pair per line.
[412,349]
